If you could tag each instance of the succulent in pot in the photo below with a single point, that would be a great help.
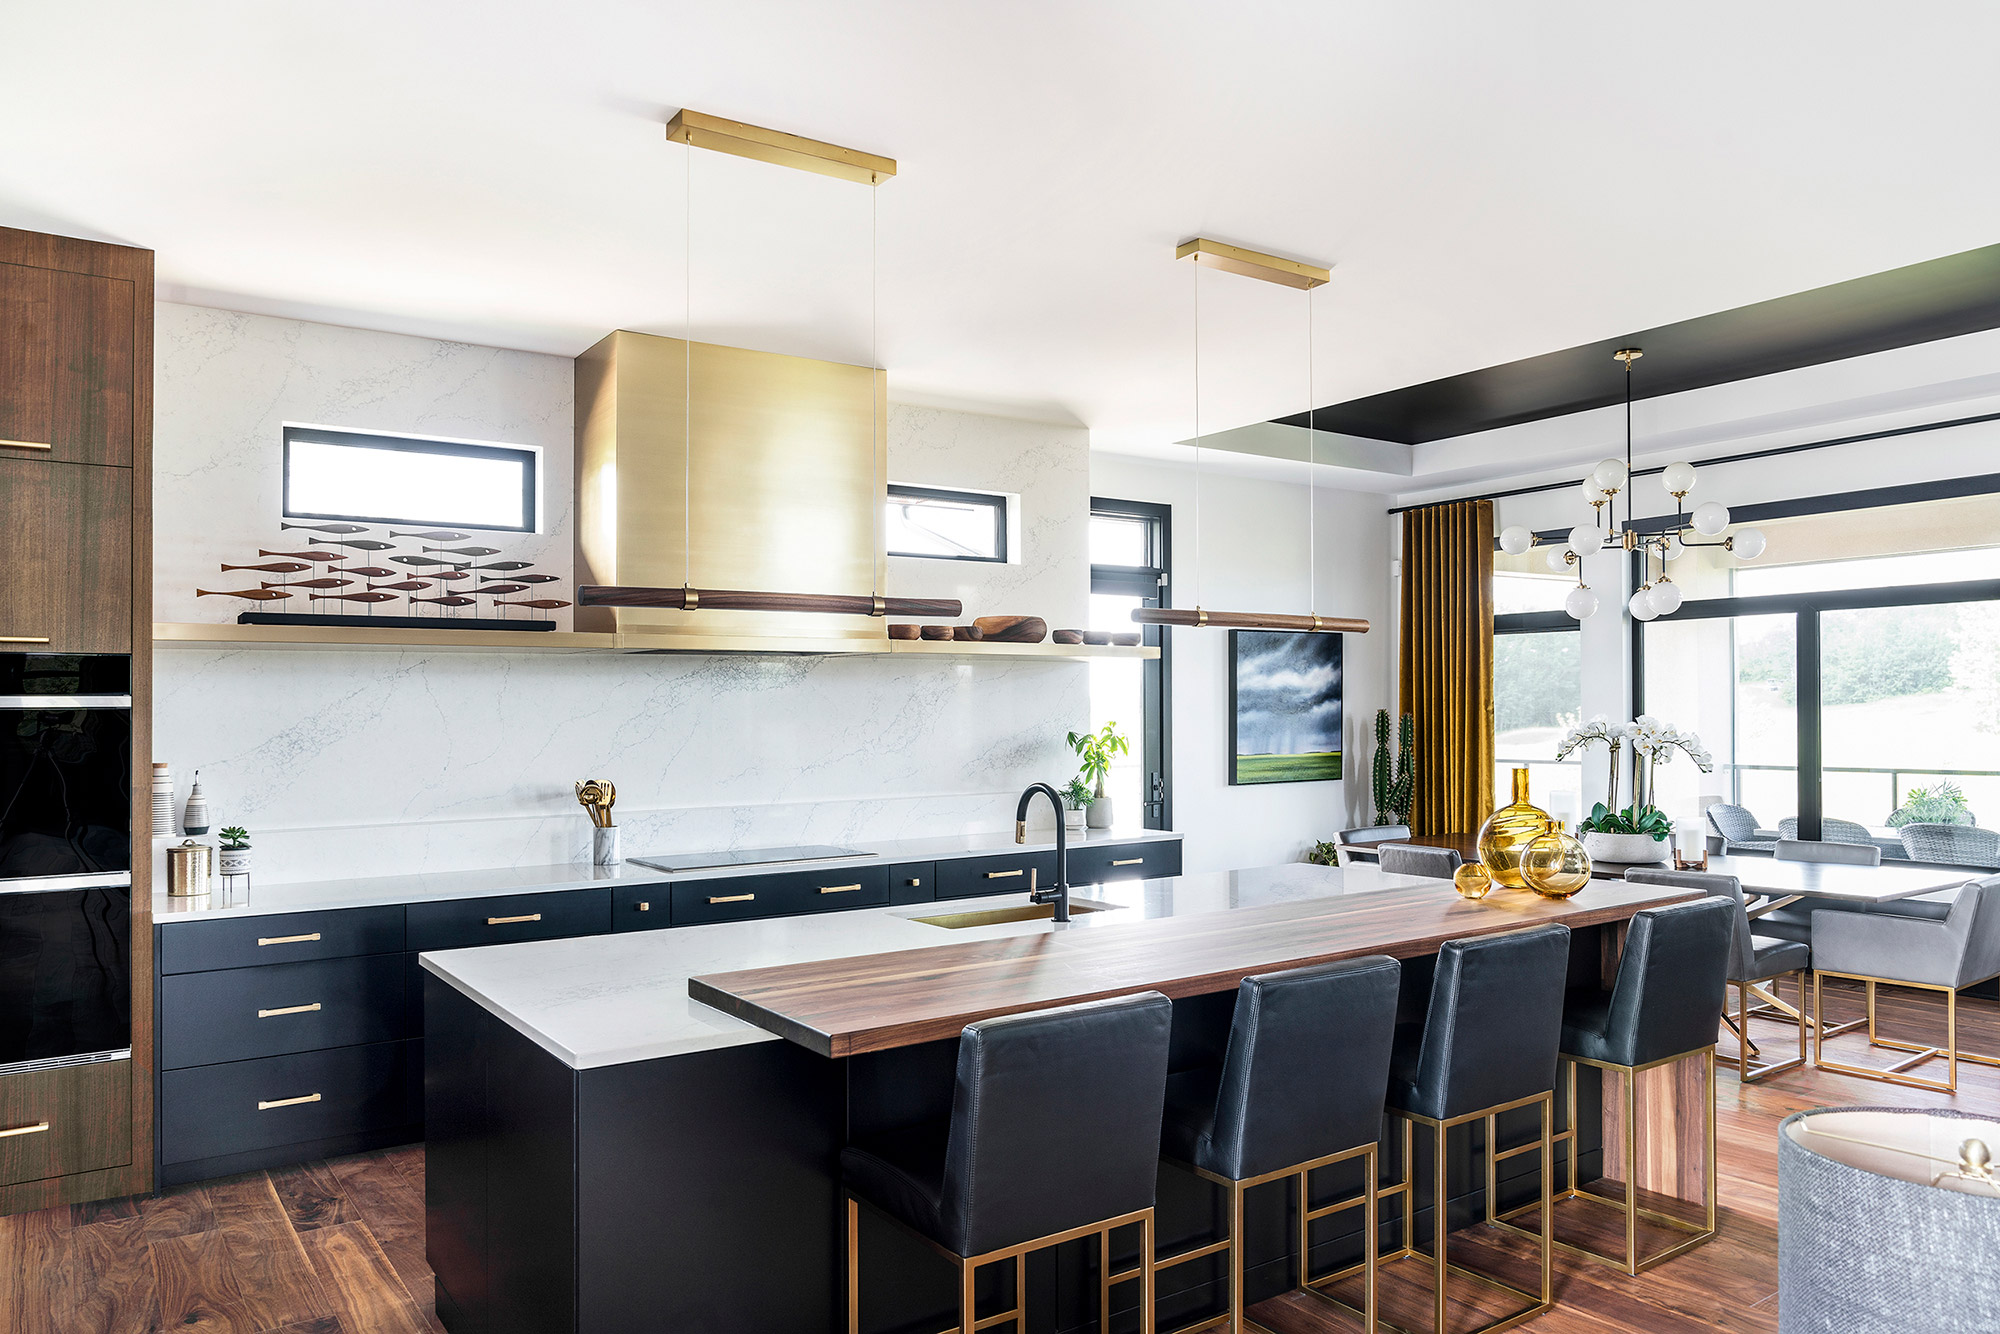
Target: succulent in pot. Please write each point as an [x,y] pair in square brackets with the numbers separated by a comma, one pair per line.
[234,858]
[1076,800]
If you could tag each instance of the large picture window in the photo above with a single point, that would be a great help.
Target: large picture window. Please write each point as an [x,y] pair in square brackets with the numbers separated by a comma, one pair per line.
[400,479]
[1537,681]
[1128,569]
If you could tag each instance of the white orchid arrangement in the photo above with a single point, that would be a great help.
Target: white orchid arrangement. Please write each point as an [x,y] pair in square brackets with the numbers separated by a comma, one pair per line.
[1653,744]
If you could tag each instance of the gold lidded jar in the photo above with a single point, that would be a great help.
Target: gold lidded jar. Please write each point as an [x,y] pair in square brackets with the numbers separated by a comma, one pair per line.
[1555,865]
[1472,881]
[1508,831]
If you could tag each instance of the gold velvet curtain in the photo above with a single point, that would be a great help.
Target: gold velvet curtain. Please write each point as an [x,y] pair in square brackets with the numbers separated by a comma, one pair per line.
[1446,663]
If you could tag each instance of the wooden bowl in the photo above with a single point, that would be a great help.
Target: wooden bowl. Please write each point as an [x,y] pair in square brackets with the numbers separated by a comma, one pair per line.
[967,634]
[1013,629]
[903,632]
[1069,636]
[1097,636]
[938,632]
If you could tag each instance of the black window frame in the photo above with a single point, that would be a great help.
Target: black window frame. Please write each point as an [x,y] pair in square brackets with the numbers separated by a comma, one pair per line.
[1807,608]
[404,444]
[981,499]
[1152,584]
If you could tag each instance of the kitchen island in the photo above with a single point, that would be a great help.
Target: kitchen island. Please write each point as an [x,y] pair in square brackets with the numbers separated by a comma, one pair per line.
[641,1132]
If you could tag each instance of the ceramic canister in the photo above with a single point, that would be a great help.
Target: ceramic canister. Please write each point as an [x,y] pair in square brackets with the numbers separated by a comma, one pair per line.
[195,819]
[190,870]
[163,800]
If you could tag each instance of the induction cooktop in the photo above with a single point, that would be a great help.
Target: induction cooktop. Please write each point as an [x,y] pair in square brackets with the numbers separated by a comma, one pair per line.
[708,861]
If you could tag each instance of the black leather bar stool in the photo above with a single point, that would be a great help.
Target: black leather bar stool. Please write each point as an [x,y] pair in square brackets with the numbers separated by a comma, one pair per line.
[1053,1135]
[1300,1087]
[1664,1007]
[1487,1045]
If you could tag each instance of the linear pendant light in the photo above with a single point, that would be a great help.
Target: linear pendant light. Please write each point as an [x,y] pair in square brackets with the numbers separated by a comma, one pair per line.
[1291,273]
[698,130]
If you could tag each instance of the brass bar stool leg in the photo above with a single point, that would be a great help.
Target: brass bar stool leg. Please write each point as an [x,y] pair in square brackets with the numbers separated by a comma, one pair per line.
[1632,1165]
[1548,1200]
[1492,1163]
[1104,1282]
[1709,1162]
[1021,1293]
[1438,1224]
[1147,1315]
[853,1266]
[1743,1032]
[1951,1038]
[1574,1135]
[966,1272]
[1370,1239]
[1409,1186]
[1236,1193]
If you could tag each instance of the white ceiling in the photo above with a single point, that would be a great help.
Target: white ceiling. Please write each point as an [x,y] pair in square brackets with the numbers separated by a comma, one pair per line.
[1488,181]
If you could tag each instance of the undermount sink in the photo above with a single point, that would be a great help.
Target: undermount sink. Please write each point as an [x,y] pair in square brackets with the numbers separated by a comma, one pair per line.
[1026,912]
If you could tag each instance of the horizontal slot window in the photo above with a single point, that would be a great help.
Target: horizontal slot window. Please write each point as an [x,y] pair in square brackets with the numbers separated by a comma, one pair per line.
[946,525]
[396,479]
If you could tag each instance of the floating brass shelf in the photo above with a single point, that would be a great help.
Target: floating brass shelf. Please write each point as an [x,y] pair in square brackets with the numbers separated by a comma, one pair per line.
[1253,264]
[699,130]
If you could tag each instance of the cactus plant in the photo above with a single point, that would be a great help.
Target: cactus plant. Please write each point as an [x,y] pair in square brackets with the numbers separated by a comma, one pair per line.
[1393,788]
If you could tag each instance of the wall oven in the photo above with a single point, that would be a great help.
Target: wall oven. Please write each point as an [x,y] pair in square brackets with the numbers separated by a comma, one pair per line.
[65,859]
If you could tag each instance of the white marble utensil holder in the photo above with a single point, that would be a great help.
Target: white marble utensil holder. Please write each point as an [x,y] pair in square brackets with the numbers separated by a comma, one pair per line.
[604,846]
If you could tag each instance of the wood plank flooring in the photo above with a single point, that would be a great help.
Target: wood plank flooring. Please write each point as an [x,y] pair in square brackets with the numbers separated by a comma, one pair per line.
[337,1247]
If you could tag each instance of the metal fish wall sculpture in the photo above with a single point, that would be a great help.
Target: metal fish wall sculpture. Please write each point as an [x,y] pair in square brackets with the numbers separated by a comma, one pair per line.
[434,535]
[327,527]
[468,551]
[539,604]
[447,601]
[313,583]
[516,578]
[422,560]
[354,597]
[367,571]
[274,567]
[254,594]
[305,555]
[502,590]
[406,586]
[364,544]
[505,565]
[446,574]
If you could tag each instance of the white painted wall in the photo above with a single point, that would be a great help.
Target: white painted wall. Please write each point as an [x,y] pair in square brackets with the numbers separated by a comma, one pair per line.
[368,762]
[1255,551]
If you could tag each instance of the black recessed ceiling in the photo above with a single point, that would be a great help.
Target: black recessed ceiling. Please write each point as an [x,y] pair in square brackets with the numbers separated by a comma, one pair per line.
[1939,298]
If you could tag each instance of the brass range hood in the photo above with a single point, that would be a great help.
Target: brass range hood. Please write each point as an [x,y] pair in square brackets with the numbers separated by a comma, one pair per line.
[755,471]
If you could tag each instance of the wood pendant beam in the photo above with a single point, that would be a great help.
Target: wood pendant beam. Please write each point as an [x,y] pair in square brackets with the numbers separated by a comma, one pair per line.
[726,599]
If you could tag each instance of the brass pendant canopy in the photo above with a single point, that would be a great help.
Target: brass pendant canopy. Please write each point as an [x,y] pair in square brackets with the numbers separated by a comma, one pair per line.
[700,130]
[1253,264]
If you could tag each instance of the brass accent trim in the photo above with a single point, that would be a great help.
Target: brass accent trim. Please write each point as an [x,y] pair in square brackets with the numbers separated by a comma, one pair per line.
[1894,1074]
[733,898]
[287,940]
[838,889]
[1020,831]
[24,639]
[34,1129]
[1002,875]
[645,906]
[1129,861]
[509,921]
[693,602]
[914,881]
[698,129]
[25,444]
[289,1009]
[1628,355]
[1252,264]
[881,607]
[265,1106]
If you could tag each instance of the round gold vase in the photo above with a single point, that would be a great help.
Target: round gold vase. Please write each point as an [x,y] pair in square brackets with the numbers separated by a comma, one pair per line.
[1472,881]
[1508,831]
[1555,865]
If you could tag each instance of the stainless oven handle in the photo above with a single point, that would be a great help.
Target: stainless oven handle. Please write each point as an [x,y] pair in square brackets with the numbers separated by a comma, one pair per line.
[45,883]
[65,701]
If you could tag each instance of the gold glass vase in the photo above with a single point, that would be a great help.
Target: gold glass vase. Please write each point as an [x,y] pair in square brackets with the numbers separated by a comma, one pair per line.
[1555,865]
[1508,831]
[1472,881]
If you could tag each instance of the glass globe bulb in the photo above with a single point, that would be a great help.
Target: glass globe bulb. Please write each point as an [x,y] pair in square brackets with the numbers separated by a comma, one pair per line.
[1677,477]
[1641,605]
[1748,544]
[1710,519]
[1610,474]
[1672,550]
[1558,559]
[1665,599]
[1585,538]
[1514,539]
[1581,604]
[1593,494]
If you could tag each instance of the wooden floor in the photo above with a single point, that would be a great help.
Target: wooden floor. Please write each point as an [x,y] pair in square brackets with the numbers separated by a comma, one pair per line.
[337,1247]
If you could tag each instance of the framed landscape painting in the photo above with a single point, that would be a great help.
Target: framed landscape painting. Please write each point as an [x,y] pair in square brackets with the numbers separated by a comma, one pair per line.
[1284,706]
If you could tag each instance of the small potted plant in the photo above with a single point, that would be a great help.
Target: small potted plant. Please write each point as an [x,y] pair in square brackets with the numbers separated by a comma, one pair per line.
[235,858]
[1076,800]
[1640,832]
[1096,749]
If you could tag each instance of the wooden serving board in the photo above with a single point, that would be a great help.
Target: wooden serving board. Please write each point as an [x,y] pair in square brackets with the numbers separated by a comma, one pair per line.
[843,1007]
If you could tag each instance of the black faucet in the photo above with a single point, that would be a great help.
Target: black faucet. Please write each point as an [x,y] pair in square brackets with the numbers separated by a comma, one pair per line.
[1057,893]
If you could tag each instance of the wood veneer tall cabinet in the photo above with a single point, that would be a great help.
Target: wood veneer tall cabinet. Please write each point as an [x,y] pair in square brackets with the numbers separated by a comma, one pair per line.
[76,544]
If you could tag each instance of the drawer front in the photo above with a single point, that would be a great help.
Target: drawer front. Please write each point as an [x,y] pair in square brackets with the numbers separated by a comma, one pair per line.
[502,921]
[1007,873]
[740,898]
[641,907]
[199,947]
[913,882]
[244,1105]
[1131,861]
[56,1122]
[242,1013]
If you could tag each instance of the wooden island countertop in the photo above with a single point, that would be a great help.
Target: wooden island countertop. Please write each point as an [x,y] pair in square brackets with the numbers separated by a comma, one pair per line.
[874,1002]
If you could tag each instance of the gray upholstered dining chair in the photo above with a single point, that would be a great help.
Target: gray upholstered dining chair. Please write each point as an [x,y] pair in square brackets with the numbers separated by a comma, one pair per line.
[1736,826]
[1881,948]
[1955,844]
[1831,851]
[1348,839]
[1753,961]
[1431,863]
[1830,830]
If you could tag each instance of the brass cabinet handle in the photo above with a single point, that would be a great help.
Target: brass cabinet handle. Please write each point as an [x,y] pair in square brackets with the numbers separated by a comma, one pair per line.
[914,881]
[1000,875]
[286,940]
[734,898]
[24,639]
[508,921]
[286,1102]
[1130,861]
[645,907]
[34,1129]
[837,889]
[24,444]
[289,1009]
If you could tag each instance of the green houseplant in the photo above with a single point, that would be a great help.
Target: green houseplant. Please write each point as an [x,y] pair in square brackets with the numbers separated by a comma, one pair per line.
[1096,750]
[1076,800]
[1943,802]
[1393,789]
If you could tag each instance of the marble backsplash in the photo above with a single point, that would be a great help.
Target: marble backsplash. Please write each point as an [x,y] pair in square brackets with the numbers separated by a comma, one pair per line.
[356,763]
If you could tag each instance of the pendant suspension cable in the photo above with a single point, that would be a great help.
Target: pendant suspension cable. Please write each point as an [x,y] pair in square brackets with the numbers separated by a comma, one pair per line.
[1197,436]
[878,559]
[687,366]
[1312,475]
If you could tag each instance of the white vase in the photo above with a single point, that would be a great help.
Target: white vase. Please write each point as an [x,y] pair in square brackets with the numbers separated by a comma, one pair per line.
[604,850]
[1098,813]
[1072,818]
[1625,848]
[232,861]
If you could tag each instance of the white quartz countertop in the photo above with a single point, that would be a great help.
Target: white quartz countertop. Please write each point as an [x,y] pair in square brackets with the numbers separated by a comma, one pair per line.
[435,886]
[607,1000]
